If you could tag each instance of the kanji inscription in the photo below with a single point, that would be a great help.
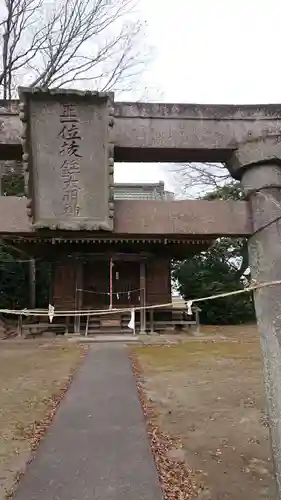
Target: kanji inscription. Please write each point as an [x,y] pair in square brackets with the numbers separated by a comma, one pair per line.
[70,152]
[68,160]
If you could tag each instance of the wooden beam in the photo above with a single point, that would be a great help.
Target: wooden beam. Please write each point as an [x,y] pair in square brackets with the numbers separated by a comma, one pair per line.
[142,297]
[151,320]
[78,294]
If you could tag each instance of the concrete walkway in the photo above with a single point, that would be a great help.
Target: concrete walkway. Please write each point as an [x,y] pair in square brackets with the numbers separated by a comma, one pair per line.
[97,447]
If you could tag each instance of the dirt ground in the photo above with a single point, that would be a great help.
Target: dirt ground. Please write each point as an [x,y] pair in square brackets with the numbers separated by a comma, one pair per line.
[209,394]
[31,373]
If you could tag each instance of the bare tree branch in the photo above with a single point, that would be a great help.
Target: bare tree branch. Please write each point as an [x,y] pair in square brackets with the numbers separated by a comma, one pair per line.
[193,179]
[65,41]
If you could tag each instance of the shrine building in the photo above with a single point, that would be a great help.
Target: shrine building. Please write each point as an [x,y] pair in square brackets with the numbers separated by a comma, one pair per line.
[111,245]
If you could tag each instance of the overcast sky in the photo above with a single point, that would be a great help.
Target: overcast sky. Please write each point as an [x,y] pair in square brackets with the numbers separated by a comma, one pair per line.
[210,51]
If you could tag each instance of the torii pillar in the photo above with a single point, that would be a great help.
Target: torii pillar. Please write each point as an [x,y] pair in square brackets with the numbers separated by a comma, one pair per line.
[257,164]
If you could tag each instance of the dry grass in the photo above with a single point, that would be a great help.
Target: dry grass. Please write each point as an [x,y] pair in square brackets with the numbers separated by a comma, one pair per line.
[31,374]
[209,394]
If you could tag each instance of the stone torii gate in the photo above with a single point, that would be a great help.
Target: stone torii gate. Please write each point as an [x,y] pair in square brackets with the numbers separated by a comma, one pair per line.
[246,138]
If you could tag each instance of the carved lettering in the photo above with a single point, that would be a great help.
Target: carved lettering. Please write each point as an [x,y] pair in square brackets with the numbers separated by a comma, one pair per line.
[71,174]
[70,168]
[70,148]
[70,131]
[68,113]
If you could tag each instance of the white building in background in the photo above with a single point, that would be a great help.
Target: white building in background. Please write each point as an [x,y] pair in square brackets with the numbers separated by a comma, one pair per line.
[142,191]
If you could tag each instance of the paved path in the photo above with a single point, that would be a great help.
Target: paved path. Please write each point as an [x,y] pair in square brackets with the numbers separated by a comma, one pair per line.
[97,447]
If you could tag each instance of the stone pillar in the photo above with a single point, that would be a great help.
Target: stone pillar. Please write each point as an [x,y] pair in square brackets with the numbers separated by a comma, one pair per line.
[258,167]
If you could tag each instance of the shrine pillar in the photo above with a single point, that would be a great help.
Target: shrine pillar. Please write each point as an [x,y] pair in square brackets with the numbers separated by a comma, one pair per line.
[257,164]
[142,296]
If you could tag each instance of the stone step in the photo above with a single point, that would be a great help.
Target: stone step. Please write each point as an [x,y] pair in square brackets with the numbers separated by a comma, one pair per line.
[109,331]
[113,321]
[104,338]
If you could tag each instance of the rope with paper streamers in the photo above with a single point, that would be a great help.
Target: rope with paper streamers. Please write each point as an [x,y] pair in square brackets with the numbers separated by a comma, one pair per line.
[51,313]
[93,312]
[127,292]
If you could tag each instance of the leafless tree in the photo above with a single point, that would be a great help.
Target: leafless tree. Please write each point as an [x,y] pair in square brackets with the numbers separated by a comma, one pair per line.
[91,43]
[95,44]
[196,179]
